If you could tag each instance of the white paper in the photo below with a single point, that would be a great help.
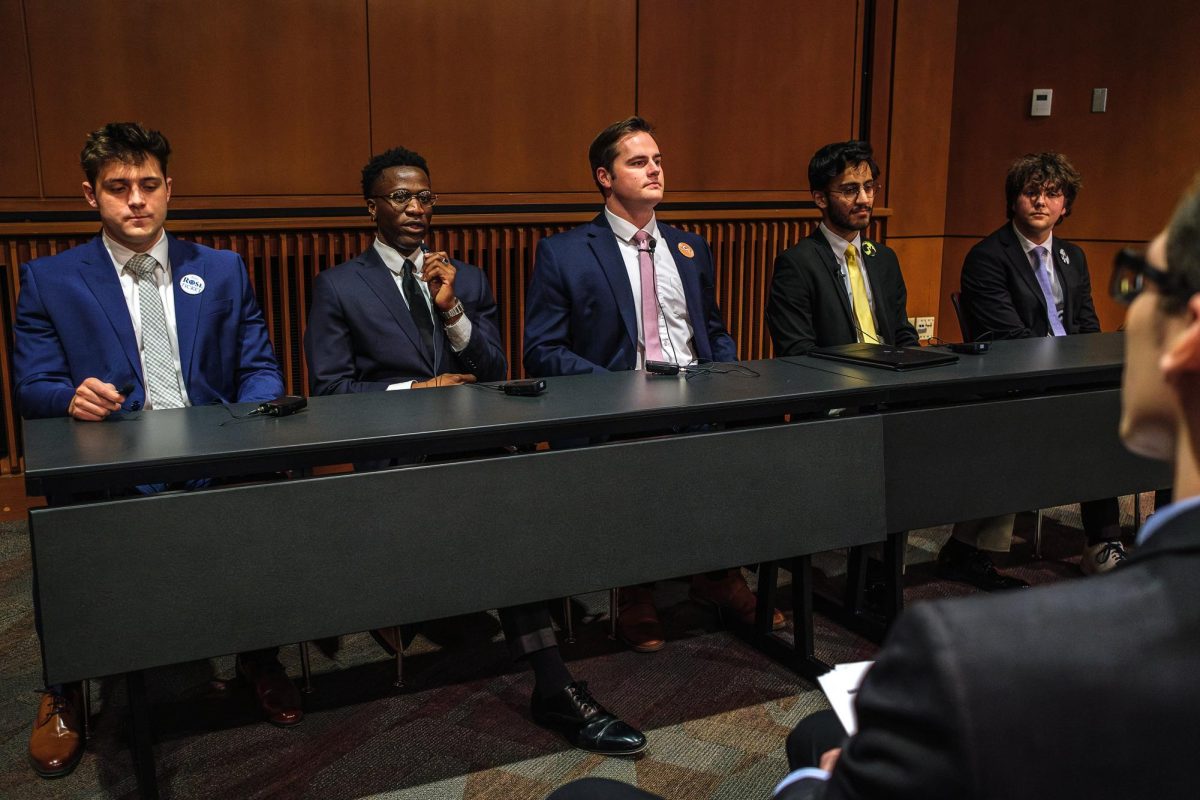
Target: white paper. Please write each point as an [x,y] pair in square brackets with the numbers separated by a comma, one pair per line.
[840,685]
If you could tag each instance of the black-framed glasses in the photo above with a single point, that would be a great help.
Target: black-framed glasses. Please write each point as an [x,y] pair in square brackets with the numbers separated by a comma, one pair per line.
[849,191]
[402,197]
[1131,271]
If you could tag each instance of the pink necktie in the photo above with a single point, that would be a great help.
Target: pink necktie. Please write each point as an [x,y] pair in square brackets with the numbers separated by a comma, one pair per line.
[650,333]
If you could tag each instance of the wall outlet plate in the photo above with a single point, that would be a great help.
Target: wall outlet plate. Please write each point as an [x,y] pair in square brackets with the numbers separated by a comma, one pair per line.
[924,328]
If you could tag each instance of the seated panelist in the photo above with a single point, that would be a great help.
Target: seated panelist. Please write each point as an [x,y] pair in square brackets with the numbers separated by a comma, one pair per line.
[402,317]
[136,320]
[621,290]
[836,286]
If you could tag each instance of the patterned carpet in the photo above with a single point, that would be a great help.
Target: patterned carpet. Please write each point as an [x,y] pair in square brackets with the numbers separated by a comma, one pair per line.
[716,712]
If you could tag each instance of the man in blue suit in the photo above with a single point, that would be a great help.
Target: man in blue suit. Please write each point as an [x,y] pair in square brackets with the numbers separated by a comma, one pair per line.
[371,328]
[599,289]
[170,323]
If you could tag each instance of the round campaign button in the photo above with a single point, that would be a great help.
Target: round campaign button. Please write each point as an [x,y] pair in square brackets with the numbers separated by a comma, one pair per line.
[686,249]
[192,284]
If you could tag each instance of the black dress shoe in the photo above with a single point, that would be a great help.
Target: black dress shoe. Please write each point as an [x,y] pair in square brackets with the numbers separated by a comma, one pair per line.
[961,562]
[585,723]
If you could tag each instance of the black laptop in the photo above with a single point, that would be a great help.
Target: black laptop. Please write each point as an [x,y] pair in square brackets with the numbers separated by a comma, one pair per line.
[885,356]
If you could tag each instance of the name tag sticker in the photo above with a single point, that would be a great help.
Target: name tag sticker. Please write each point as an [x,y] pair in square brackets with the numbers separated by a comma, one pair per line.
[192,284]
[686,249]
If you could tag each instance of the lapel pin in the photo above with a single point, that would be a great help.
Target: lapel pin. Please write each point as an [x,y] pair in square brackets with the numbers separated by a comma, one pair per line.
[868,248]
[686,249]
[1062,253]
[192,284]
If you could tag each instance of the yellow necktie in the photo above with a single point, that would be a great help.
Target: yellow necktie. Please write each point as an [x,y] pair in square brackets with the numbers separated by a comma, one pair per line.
[858,293]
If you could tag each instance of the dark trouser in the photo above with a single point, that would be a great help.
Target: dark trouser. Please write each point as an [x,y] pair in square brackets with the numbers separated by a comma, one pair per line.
[812,737]
[527,628]
[1101,520]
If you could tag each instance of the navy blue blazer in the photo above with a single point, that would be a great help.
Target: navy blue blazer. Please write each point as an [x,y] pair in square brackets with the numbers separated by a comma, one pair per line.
[580,315]
[1002,298]
[361,337]
[73,323]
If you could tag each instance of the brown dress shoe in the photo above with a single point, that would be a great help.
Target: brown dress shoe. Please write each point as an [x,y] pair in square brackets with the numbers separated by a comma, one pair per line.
[277,696]
[57,739]
[731,592]
[637,620]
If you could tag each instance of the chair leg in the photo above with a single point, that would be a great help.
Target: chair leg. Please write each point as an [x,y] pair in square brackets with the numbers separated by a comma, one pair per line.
[399,682]
[568,621]
[87,710]
[1037,536]
[305,669]
[613,611]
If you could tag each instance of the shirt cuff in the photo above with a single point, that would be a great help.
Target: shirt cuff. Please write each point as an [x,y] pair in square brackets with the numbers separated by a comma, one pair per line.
[799,775]
[402,385]
[459,334]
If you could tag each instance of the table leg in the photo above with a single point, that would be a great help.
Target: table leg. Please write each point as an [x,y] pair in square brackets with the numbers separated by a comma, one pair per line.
[141,738]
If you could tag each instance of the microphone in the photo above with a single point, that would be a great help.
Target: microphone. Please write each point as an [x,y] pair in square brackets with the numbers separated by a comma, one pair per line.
[652,242]
[125,388]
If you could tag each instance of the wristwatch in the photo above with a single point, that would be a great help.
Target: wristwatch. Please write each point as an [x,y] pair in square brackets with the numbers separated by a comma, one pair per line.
[454,311]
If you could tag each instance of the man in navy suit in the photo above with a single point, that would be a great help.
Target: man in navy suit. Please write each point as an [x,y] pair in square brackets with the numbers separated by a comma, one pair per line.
[836,286]
[1023,281]
[596,291]
[372,328]
[171,323]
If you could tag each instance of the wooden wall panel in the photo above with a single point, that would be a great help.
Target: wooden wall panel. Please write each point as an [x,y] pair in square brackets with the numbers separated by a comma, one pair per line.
[922,96]
[501,97]
[1135,159]
[18,168]
[743,94]
[259,98]
[921,264]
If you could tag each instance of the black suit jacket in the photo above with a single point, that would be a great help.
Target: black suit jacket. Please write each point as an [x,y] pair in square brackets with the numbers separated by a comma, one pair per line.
[808,306]
[361,336]
[1002,296]
[1086,688]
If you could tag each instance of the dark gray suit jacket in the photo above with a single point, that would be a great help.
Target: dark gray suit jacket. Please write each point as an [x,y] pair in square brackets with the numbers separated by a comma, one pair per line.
[808,306]
[1087,688]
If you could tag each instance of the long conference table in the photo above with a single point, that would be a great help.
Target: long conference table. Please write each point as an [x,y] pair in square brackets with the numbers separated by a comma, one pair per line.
[762,473]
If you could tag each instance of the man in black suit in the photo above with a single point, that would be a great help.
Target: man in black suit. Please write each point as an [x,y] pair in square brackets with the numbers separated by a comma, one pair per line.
[1028,694]
[1019,282]
[836,287]
[372,328]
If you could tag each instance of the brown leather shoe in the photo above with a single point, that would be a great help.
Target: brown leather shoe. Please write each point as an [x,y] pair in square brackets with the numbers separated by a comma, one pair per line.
[57,739]
[277,696]
[731,592]
[637,620]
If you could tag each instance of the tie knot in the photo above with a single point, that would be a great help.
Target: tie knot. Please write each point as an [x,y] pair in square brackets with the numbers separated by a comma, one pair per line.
[851,253]
[642,240]
[409,268]
[142,265]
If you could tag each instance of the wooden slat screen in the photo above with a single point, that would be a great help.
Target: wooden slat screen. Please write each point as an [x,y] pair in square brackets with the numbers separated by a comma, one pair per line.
[284,256]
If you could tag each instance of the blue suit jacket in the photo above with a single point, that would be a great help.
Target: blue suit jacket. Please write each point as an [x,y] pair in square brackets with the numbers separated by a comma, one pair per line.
[72,323]
[580,315]
[361,336]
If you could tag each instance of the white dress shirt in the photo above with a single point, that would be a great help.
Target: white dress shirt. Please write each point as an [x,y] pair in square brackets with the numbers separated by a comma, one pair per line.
[674,325]
[160,252]
[458,334]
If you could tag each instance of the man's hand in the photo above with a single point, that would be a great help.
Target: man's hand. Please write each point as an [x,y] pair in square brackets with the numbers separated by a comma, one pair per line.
[438,272]
[829,759]
[94,400]
[445,379]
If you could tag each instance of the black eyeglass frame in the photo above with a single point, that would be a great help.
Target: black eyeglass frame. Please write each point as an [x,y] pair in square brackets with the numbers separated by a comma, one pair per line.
[1130,260]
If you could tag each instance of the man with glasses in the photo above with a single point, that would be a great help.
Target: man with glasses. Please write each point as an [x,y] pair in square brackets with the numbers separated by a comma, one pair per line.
[836,286]
[1019,282]
[1030,693]
[401,316]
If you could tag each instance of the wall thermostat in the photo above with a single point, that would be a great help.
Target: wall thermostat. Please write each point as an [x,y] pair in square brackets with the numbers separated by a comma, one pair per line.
[1041,102]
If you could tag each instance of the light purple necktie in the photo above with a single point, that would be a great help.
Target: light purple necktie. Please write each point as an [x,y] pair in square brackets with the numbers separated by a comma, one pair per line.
[650,332]
[1043,276]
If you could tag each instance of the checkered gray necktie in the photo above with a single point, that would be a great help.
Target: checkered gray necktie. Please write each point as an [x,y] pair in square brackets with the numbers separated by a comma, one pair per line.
[161,380]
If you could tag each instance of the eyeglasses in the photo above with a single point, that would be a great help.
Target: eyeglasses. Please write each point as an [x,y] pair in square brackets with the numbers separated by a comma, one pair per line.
[402,197]
[849,191]
[1032,194]
[1130,273]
